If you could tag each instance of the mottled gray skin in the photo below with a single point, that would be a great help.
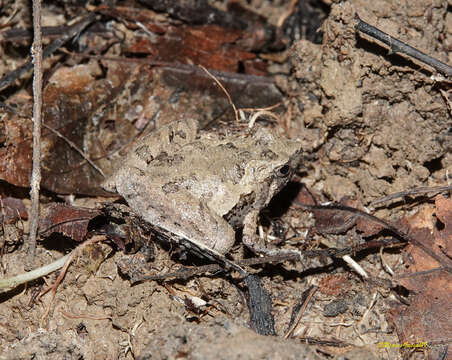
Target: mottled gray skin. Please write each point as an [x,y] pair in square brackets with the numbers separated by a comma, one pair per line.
[203,187]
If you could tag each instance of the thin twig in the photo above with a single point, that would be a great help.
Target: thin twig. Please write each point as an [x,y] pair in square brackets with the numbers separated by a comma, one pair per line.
[57,133]
[355,266]
[300,313]
[224,90]
[258,114]
[315,341]
[49,50]
[366,313]
[187,272]
[443,260]
[63,272]
[12,282]
[397,46]
[268,108]
[416,191]
[282,19]
[36,53]
[76,148]
[446,98]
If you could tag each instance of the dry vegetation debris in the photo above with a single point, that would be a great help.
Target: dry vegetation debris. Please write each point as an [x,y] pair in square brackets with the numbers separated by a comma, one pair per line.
[371,124]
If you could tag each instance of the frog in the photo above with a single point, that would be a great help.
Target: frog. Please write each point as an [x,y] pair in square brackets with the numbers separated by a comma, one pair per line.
[203,186]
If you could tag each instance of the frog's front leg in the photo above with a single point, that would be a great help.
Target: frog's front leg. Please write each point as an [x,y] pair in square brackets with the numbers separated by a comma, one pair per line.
[255,243]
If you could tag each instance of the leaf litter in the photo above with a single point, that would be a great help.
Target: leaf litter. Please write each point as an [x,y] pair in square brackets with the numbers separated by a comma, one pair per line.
[371,125]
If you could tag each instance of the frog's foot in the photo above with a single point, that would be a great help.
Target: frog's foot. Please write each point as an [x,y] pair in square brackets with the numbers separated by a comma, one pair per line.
[256,244]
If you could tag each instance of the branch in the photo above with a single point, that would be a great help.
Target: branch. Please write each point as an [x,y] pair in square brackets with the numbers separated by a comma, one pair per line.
[397,46]
[36,53]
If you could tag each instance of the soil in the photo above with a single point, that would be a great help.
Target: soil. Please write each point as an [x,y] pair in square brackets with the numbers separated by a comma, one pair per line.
[371,124]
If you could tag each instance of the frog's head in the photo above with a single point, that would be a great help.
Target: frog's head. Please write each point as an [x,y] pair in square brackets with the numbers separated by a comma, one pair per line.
[274,159]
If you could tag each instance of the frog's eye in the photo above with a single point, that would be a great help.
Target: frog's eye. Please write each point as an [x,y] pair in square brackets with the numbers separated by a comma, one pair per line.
[283,171]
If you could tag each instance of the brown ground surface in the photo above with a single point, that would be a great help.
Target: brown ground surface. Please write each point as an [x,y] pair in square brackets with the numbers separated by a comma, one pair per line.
[371,124]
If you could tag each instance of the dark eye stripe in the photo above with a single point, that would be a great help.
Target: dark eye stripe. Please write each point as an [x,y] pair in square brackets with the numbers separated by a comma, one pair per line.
[283,171]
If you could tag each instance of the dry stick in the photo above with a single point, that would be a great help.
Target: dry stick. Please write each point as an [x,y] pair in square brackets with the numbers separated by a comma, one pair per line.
[416,191]
[397,46]
[12,282]
[36,52]
[224,90]
[63,272]
[185,273]
[446,98]
[268,108]
[282,19]
[49,50]
[75,147]
[444,261]
[258,114]
[236,113]
[301,312]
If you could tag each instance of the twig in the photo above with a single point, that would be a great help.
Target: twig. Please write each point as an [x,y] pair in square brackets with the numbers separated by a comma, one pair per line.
[416,191]
[282,19]
[10,19]
[76,148]
[187,272]
[14,281]
[315,341]
[49,50]
[224,90]
[258,114]
[355,266]
[36,53]
[366,313]
[17,280]
[63,272]
[443,260]
[446,98]
[268,108]
[300,313]
[385,263]
[20,34]
[57,133]
[397,46]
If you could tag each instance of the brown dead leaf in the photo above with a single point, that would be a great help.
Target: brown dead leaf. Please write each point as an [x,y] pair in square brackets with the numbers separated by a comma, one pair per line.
[210,46]
[305,196]
[428,317]
[444,224]
[68,220]
[70,101]
[367,227]
[334,285]
[74,100]
[12,210]
[336,221]
[15,152]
